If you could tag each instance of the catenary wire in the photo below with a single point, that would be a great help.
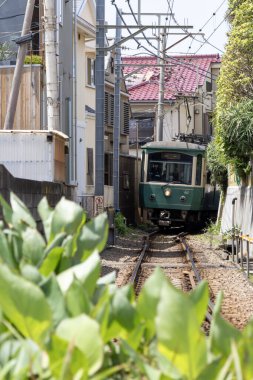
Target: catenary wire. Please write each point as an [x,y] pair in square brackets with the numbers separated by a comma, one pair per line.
[207,74]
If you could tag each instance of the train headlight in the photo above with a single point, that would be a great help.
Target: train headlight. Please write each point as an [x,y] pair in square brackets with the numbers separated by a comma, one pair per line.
[167,192]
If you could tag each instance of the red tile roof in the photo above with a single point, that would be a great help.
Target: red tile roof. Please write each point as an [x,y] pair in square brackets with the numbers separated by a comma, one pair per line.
[183,75]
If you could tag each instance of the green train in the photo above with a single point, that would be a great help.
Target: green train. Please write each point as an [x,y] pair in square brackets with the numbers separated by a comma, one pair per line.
[174,189]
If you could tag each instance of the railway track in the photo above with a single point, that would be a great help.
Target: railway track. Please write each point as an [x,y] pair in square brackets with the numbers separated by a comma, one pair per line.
[186,261]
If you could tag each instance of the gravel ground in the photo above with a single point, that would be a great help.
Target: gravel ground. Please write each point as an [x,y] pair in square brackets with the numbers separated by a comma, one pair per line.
[126,249]
[226,276]
[221,274]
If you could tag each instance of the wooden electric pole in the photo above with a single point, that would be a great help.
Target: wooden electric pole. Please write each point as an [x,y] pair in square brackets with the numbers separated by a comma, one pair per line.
[13,99]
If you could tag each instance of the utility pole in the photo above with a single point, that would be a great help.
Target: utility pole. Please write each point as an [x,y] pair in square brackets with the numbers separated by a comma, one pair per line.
[100,97]
[117,109]
[12,104]
[160,108]
[53,105]
[139,12]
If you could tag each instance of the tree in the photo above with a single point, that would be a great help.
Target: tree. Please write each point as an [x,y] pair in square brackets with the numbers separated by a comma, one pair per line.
[234,110]
[6,51]
[236,76]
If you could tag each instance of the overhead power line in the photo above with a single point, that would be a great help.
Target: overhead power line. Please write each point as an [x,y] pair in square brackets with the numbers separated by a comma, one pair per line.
[194,38]
[13,16]
[206,40]
[3,3]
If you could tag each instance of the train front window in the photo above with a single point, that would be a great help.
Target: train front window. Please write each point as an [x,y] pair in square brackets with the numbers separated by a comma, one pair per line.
[170,167]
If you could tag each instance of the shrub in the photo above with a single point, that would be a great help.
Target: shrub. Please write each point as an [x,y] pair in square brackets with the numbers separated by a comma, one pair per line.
[61,321]
[120,223]
[34,59]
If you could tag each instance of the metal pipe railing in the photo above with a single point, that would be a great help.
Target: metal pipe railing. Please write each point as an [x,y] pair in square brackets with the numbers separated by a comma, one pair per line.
[238,243]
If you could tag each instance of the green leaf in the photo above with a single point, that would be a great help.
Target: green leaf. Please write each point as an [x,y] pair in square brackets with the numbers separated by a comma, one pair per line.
[123,311]
[66,360]
[33,246]
[211,371]
[200,298]
[7,211]
[83,333]
[8,350]
[46,214]
[87,272]
[107,279]
[93,236]
[77,299]
[108,372]
[222,334]
[245,348]
[56,242]
[67,216]
[55,299]
[6,252]
[28,360]
[180,338]
[24,305]
[50,263]
[152,373]
[31,273]
[21,214]
[149,298]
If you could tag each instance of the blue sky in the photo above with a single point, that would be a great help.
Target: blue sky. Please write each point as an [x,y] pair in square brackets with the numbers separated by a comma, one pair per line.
[201,14]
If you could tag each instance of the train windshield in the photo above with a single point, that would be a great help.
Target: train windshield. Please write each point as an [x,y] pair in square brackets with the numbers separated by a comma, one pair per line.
[170,167]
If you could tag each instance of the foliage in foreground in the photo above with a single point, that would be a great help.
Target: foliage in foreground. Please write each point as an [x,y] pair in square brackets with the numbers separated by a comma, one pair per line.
[61,320]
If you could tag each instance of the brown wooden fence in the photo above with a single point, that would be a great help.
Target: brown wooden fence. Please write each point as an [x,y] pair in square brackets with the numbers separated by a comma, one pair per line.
[28,112]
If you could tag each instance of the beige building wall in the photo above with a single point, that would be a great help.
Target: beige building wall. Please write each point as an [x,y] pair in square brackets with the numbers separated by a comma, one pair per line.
[86,99]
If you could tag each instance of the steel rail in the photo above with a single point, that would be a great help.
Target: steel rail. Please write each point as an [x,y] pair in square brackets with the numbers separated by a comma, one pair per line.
[145,247]
[189,256]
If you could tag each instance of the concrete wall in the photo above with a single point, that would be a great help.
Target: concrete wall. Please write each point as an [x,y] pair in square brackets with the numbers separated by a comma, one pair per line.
[243,209]
[31,192]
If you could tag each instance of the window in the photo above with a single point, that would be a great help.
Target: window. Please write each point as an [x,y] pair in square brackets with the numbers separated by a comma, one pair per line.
[198,170]
[170,167]
[109,109]
[125,118]
[91,72]
[106,108]
[111,120]
[209,86]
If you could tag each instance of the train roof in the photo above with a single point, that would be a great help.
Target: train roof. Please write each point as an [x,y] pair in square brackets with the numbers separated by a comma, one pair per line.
[174,145]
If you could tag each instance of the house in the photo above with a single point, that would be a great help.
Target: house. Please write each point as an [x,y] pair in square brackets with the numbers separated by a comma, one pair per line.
[189,95]
[128,165]
[76,52]
[29,151]
[85,101]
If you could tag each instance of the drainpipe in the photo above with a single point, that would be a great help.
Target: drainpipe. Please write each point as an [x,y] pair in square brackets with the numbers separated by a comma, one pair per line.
[233,212]
[233,226]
